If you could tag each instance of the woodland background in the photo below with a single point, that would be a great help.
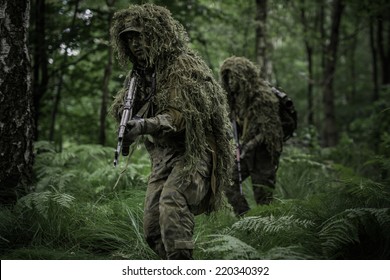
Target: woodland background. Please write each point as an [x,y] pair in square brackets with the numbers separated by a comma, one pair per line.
[59,192]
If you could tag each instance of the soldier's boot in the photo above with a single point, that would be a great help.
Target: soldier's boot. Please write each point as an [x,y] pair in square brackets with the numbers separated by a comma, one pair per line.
[237,201]
[157,246]
[241,209]
[263,194]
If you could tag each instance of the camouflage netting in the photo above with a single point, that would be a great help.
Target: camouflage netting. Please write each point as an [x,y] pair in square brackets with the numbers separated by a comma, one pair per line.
[257,108]
[183,81]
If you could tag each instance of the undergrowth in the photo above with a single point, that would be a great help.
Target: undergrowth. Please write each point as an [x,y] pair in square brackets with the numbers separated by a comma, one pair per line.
[322,209]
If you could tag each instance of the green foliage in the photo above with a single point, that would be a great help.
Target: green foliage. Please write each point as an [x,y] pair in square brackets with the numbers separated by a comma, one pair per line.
[359,233]
[40,203]
[271,224]
[87,170]
[115,231]
[300,174]
[308,226]
[77,209]
[328,212]
[39,219]
[228,247]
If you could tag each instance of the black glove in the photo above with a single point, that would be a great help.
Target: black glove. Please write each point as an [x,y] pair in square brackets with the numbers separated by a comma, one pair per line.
[245,149]
[134,128]
[137,127]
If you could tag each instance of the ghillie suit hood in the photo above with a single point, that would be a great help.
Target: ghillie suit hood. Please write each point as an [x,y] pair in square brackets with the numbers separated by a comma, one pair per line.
[256,107]
[183,80]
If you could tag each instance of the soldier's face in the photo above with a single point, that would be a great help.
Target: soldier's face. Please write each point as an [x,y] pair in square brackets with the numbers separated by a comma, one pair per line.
[137,43]
[231,83]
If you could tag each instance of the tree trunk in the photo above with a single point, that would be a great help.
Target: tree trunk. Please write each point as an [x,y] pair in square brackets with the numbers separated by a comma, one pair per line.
[106,80]
[40,61]
[351,94]
[330,130]
[16,119]
[375,95]
[383,31]
[310,103]
[261,40]
[309,55]
[57,97]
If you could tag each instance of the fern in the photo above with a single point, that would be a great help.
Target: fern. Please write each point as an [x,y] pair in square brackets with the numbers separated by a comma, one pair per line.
[271,224]
[228,247]
[44,218]
[87,170]
[293,252]
[372,193]
[55,177]
[42,202]
[359,191]
[300,175]
[366,230]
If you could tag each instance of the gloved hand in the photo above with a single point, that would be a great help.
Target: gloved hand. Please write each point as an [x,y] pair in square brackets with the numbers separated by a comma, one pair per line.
[245,149]
[160,123]
[134,128]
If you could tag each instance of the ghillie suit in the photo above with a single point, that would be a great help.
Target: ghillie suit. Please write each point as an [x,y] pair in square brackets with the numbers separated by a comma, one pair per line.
[186,123]
[256,111]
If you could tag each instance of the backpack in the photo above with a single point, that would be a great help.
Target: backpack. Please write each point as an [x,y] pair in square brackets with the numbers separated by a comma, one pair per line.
[288,114]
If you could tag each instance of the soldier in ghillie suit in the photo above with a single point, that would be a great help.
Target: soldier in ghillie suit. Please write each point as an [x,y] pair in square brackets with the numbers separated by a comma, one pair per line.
[181,112]
[254,110]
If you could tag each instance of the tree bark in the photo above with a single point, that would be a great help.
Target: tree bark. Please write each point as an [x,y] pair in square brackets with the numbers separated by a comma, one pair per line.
[383,31]
[330,133]
[106,80]
[261,40]
[375,95]
[40,61]
[16,119]
[309,54]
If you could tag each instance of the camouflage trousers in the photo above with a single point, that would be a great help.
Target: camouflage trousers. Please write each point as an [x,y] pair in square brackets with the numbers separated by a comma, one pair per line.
[261,166]
[170,206]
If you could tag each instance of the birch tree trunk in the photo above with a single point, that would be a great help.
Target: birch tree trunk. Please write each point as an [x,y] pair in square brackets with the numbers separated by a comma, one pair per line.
[16,119]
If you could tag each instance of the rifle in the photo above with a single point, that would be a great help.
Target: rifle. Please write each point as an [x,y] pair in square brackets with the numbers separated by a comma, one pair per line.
[284,99]
[126,113]
[238,152]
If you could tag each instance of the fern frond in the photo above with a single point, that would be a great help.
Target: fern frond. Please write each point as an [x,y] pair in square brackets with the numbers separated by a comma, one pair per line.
[293,252]
[55,177]
[369,191]
[228,247]
[41,203]
[354,227]
[63,199]
[43,147]
[271,224]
